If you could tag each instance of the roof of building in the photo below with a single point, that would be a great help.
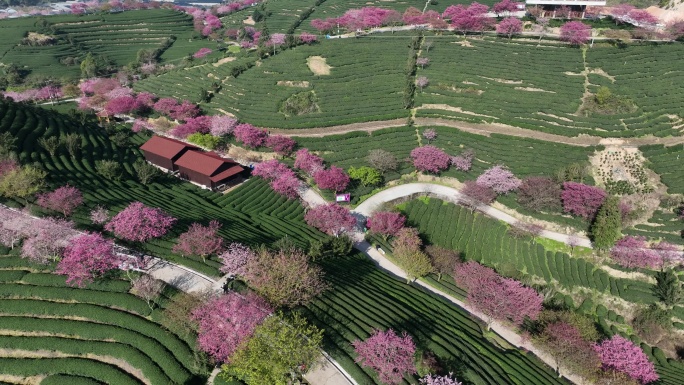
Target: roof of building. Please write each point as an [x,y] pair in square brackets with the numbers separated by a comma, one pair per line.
[165,147]
[209,164]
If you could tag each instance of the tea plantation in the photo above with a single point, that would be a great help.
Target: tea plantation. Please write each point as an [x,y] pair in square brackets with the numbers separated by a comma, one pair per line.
[97,334]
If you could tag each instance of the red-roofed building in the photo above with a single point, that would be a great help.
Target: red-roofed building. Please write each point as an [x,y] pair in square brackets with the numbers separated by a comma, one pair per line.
[207,168]
[164,152]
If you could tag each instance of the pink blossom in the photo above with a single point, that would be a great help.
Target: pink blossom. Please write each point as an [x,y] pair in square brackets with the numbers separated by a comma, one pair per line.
[270,169]
[122,105]
[202,52]
[287,185]
[282,145]
[389,355]
[331,219]
[385,223]
[249,135]
[468,19]
[222,125]
[308,162]
[46,239]
[622,355]
[506,7]
[225,322]
[333,178]
[464,161]
[138,222]
[575,32]
[200,240]
[582,200]
[64,200]
[307,38]
[429,159]
[634,251]
[88,256]
[432,379]
[499,179]
[509,26]
[99,215]
[235,258]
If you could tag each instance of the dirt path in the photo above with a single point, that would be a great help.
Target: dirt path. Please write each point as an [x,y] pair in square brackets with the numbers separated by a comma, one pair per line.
[485,129]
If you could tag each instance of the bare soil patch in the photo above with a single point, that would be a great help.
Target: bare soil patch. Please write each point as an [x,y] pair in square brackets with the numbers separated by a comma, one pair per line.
[224,112]
[289,83]
[631,275]
[447,107]
[248,21]
[318,65]
[463,43]
[503,81]
[33,380]
[532,89]
[224,61]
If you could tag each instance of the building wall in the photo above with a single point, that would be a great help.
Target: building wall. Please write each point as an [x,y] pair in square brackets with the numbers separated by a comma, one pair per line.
[194,176]
[160,161]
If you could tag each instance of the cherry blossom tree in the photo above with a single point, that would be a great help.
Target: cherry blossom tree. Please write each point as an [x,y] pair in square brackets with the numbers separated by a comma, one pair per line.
[276,40]
[668,253]
[430,159]
[509,26]
[497,297]
[202,52]
[235,258]
[468,19]
[7,166]
[582,200]
[227,321]
[430,134]
[333,178]
[222,125]
[391,356]
[284,277]
[87,257]
[433,379]
[422,62]
[575,32]
[122,105]
[46,239]
[282,145]
[499,179]
[308,162]
[99,215]
[200,240]
[249,135]
[642,18]
[620,12]
[385,223]
[148,289]
[139,223]
[622,355]
[478,192]
[505,7]
[308,38]
[331,219]
[464,161]
[634,251]
[270,169]
[287,185]
[407,240]
[422,82]
[569,348]
[413,16]
[64,200]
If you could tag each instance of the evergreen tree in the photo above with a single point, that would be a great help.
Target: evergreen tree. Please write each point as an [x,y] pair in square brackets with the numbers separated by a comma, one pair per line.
[668,288]
[605,230]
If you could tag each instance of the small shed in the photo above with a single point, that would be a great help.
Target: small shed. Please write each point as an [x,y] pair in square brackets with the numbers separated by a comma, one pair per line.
[207,168]
[164,152]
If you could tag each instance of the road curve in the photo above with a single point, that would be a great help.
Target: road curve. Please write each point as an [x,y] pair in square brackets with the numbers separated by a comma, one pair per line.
[451,194]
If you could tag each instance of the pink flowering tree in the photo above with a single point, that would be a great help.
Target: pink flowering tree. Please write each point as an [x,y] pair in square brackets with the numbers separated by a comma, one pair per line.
[472,18]
[509,26]
[282,145]
[582,200]
[505,7]
[270,169]
[333,178]
[87,257]
[235,258]
[227,321]
[464,161]
[391,356]
[433,379]
[423,62]
[308,38]
[422,82]
[478,192]
[385,223]
[139,223]
[122,105]
[430,159]
[287,185]
[642,18]
[64,200]
[620,12]
[575,32]
[668,253]
[249,135]
[200,240]
[430,134]
[498,298]
[222,125]
[99,215]
[622,355]
[634,251]
[202,52]
[499,179]
[276,40]
[46,239]
[331,219]
[308,162]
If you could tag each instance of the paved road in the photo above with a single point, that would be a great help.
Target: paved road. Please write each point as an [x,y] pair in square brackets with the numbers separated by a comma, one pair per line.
[452,195]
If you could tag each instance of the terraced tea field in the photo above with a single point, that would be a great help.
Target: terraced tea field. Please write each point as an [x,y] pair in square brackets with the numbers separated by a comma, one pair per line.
[95,335]
[361,87]
[540,87]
